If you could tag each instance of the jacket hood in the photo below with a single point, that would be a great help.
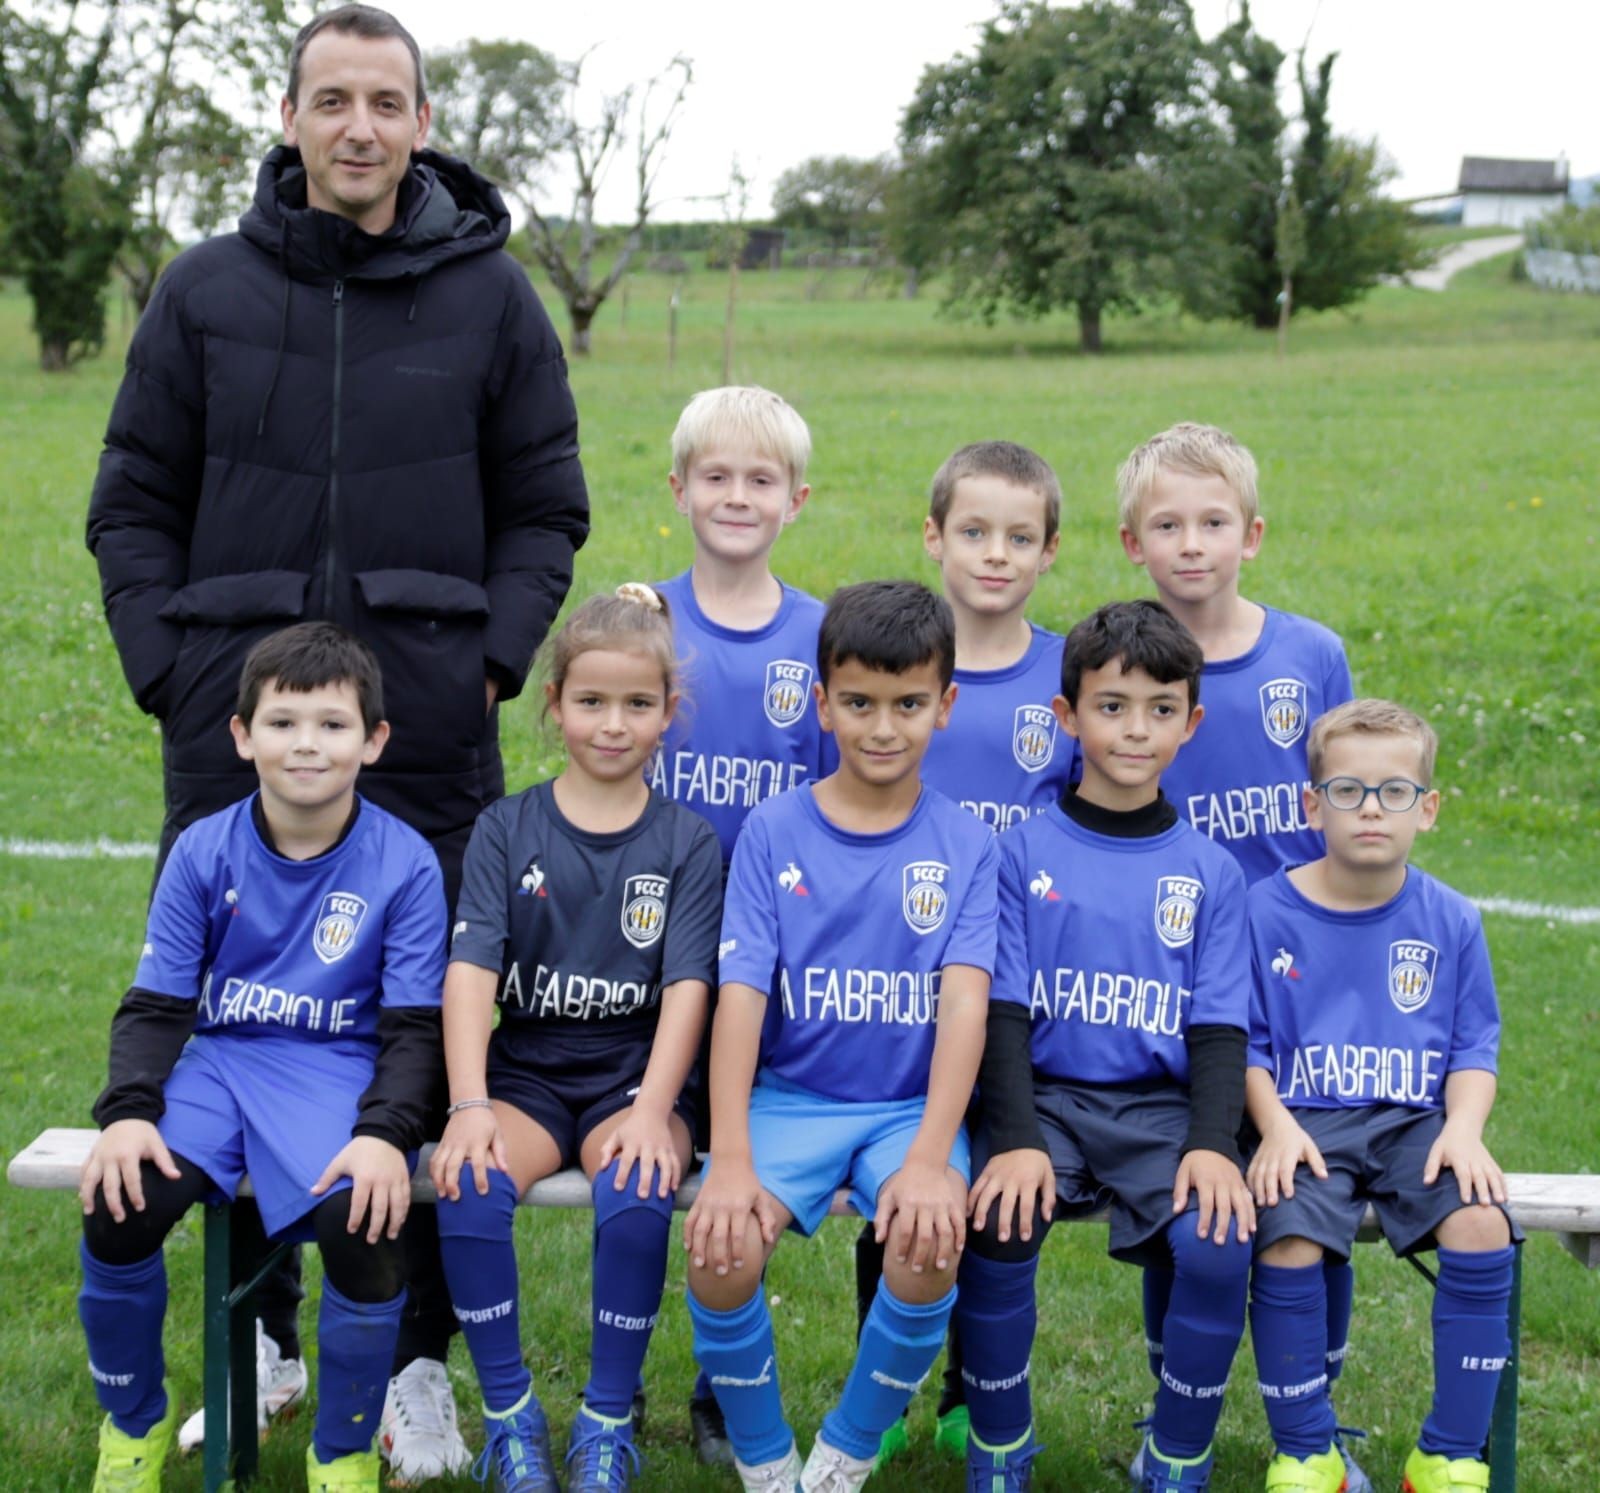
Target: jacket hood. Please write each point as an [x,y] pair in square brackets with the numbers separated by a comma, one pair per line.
[445,211]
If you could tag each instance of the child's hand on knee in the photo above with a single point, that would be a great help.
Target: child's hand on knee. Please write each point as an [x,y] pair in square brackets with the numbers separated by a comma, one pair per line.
[471,1135]
[922,1214]
[1459,1147]
[1220,1188]
[1014,1180]
[113,1165]
[645,1137]
[715,1230]
[1271,1174]
[380,1185]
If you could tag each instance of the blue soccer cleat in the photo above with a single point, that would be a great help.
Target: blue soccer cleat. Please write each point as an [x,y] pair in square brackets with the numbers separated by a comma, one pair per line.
[1001,1469]
[601,1456]
[1159,1473]
[516,1450]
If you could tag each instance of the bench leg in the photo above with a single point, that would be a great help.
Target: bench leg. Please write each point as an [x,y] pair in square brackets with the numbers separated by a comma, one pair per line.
[1503,1428]
[218,1335]
[241,1358]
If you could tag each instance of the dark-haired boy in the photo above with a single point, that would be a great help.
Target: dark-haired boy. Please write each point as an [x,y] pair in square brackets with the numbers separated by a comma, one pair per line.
[1114,1069]
[864,906]
[1374,1038]
[283,1021]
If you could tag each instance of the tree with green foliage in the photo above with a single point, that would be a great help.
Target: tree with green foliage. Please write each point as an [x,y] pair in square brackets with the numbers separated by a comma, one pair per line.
[65,219]
[840,197]
[1048,156]
[498,105]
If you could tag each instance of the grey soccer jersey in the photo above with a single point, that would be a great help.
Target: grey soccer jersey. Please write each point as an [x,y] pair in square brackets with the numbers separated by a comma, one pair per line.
[584,927]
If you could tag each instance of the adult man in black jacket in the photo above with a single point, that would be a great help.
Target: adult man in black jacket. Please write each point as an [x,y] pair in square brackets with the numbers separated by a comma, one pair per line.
[355,408]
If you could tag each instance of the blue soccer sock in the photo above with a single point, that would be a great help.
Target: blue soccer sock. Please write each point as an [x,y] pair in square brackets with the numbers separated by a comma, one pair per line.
[736,1351]
[630,1270]
[480,1267]
[1470,1345]
[1157,1292]
[899,1342]
[122,1308]
[355,1351]
[1289,1327]
[1339,1280]
[1204,1324]
[996,1317]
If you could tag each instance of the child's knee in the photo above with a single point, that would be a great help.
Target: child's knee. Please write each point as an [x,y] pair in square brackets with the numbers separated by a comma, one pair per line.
[1474,1230]
[476,1215]
[725,1293]
[919,1287]
[610,1202]
[1292,1253]
[1202,1259]
[359,1271]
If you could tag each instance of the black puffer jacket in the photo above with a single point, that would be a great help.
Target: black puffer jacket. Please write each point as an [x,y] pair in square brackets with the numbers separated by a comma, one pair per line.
[316,422]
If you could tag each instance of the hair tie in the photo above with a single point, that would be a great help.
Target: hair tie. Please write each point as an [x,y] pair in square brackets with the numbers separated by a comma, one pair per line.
[637,591]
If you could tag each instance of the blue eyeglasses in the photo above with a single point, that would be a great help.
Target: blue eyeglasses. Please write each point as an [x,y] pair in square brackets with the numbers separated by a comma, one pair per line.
[1394,794]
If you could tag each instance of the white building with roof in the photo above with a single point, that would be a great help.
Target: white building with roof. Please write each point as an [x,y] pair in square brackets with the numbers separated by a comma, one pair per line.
[1509,194]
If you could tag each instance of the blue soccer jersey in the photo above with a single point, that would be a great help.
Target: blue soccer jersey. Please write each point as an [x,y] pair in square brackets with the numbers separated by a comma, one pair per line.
[585,927]
[748,727]
[1239,780]
[1003,757]
[1373,1007]
[851,934]
[1119,946]
[268,945]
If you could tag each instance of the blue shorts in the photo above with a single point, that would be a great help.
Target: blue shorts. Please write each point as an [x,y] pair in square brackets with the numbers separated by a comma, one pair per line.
[572,1080]
[1117,1148]
[806,1146]
[279,1108]
[1374,1154]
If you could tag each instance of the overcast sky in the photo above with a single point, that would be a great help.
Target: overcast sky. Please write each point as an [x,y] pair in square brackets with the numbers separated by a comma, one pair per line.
[777,82]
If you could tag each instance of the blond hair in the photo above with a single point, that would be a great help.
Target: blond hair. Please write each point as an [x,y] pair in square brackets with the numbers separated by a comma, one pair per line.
[742,415]
[1199,451]
[634,618]
[1371,718]
[1009,462]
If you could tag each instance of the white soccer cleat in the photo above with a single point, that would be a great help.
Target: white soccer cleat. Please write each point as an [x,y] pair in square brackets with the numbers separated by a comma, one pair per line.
[829,1470]
[280,1384]
[782,1476]
[417,1432]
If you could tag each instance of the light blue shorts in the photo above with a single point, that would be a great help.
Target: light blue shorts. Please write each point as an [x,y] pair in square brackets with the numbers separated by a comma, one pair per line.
[279,1108]
[806,1146]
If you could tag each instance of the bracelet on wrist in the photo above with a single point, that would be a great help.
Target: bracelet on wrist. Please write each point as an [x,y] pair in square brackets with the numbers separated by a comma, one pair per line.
[461,1104]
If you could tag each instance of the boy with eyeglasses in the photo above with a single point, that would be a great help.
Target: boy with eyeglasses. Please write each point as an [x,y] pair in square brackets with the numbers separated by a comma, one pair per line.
[1373,1039]
[1190,513]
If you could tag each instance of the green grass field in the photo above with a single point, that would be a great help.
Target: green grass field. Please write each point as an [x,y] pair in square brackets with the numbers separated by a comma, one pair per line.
[1429,470]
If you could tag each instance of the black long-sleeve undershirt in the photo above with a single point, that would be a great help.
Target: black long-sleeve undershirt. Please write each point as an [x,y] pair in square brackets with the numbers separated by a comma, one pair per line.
[147,1034]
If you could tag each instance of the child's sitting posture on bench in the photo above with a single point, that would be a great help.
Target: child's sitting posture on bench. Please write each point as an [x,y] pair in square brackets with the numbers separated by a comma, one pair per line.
[283,1022]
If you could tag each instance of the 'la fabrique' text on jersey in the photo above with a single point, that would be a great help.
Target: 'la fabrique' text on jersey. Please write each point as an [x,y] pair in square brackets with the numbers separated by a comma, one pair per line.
[1239,780]
[1372,1007]
[850,934]
[311,949]
[748,727]
[1119,946]
[586,927]
[1003,757]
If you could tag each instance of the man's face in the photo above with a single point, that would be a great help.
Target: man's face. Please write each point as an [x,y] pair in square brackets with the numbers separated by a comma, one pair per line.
[356,123]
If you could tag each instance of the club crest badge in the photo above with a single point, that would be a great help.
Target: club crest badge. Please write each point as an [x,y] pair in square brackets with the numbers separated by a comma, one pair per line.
[1177,906]
[788,689]
[1033,737]
[1283,710]
[338,921]
[1411,967]
[644,909]
[924,899]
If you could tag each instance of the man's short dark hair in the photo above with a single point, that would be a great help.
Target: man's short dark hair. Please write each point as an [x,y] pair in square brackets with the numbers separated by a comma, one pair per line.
[1003,459]
[887,625]
[365,21]
[306,657]
[1142,635]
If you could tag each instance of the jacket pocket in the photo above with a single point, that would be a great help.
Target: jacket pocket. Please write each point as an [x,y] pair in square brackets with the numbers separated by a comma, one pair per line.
[233,600]
[427,631]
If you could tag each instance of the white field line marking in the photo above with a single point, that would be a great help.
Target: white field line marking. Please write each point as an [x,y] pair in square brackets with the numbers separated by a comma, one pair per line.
[119,850]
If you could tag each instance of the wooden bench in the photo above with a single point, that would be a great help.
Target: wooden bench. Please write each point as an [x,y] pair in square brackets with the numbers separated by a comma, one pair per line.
[1567,1206]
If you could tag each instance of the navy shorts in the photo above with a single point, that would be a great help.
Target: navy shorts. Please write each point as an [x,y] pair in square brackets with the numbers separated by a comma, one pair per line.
[572,1080]
[1113,1147]
[1374,1154]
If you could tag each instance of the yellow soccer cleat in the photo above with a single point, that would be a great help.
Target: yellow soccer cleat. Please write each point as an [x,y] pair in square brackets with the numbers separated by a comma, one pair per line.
[1322,1473]
[354,1473]
[132,1464]
[1436,1474]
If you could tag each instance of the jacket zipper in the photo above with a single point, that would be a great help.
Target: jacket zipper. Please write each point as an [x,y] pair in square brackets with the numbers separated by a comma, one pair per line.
[329,563]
